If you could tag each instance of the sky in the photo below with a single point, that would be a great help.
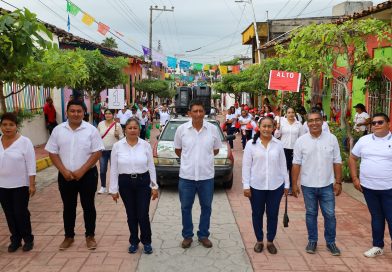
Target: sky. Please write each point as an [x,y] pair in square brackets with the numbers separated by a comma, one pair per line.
[210,29]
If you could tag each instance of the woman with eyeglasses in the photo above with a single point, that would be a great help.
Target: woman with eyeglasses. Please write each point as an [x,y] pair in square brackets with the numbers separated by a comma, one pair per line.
[132,174]
[375,178]
[265,179]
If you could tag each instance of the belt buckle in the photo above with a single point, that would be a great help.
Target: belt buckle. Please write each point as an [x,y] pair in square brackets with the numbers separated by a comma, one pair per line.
[133,175]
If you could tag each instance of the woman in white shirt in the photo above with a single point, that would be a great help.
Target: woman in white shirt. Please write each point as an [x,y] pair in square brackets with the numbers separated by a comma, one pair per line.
[110,132]
[289,129]
[265,178]
[361,119]
[17,182]
[246,132]
[132,174]
[230,121]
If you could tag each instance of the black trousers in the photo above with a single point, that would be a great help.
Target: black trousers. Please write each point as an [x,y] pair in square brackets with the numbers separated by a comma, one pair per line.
[86,188]
[289,153]
[143,132]
[15,202]
[136,195]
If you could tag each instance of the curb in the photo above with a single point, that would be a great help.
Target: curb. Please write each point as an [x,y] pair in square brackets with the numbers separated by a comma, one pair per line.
[43,163]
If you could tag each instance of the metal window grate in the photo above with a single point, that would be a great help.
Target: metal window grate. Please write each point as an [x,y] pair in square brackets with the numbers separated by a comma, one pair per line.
[381,102]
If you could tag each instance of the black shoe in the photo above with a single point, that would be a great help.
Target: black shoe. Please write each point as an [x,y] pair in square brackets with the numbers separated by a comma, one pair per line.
[28,246]
[13,247]
[333,249]
[258,247]
[311,247]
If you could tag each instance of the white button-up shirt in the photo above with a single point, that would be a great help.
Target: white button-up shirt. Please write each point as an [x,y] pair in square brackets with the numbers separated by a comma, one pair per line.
[197,155]
[289,133]
[360,118]
[74,147]
[17,163]
[164,116]
[126,159]
[124,116]
[316,157]
[264,168]
[376,161]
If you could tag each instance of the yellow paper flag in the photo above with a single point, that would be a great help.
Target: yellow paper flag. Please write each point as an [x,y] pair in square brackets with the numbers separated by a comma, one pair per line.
[87,19]
[223,69]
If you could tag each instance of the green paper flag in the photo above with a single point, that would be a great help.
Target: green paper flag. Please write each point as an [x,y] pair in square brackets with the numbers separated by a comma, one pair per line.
[72,8]
[197,66]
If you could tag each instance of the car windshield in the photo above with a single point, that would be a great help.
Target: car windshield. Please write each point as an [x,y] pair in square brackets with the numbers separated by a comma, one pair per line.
[171,127]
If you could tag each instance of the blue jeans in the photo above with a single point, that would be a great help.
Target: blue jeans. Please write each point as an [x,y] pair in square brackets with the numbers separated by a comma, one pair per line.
[380,207]
[324,197]
[187,191]
[269,201]
[103,166]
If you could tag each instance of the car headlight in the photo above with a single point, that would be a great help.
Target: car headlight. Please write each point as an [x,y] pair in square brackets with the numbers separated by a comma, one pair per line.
[222,161]
[163,161]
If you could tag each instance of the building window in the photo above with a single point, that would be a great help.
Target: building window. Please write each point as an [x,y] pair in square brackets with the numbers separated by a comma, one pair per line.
[380,101]
[337,93]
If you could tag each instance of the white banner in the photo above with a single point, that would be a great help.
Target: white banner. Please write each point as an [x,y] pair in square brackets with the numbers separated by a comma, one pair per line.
[116,99]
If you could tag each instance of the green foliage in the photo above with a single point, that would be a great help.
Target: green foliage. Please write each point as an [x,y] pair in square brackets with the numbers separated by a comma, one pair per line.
[159,88]
[234,61]
[109,42]
[21,41]
[103,72]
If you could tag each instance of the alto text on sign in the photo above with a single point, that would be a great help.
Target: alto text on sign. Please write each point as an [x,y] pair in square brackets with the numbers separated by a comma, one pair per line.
[284,81]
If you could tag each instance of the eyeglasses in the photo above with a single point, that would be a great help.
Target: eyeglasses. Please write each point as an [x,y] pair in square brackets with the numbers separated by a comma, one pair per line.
[379,122]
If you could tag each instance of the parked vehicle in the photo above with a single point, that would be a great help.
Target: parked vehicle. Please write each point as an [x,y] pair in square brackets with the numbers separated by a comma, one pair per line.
[167,163]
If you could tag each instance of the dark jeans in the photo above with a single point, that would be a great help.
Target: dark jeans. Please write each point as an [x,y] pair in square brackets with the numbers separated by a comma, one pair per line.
[379,203]
[187,190]
[86,188]
[143,132]
[51,126]
[245,137]
[269,201]
[15,202]
[231,131]
[136,195]
[289,162]
[103,166]
[324,197]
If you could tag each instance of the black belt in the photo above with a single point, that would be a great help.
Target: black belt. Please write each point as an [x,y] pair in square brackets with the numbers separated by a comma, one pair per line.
[134,176]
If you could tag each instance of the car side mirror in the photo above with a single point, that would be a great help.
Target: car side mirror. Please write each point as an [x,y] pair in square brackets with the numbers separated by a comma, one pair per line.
[230,137]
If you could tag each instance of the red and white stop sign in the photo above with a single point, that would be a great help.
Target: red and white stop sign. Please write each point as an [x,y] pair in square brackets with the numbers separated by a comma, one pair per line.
[284,81]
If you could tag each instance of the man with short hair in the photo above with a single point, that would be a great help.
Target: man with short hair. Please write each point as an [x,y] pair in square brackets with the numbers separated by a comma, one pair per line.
[375,181]
[318,163]
[164,116]
[196,143]
[74,148]
[123,115]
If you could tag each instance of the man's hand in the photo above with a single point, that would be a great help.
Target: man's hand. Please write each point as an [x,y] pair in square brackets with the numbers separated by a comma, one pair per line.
[32,189]
[68,175]
[78,174]
[154,194]
[247,193]
[337,188]
[357,184]
[115,197]
[286,192]
[295,190]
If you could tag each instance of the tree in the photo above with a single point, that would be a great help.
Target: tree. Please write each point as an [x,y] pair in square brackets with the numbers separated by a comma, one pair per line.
[22,42]
[316,49]
[110,42]
[234,61]
[103,73]
[154,87]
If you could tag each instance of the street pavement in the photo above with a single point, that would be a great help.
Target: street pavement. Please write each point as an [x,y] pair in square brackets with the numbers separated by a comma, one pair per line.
[231,233]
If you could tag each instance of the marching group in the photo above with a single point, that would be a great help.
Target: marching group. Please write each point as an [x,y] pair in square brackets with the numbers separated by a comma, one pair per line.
[282,155]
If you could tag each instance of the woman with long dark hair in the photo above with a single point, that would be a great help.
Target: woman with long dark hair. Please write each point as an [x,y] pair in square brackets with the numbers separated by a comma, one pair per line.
[265,179]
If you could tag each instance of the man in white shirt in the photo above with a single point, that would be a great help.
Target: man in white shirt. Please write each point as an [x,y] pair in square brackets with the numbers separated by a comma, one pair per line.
[318,163]
[74,148]
[164,116]
[375,182]
[196,143]
[123,115]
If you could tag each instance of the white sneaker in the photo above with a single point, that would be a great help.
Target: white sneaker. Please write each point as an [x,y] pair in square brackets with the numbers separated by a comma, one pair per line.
[374,252]
[102,190]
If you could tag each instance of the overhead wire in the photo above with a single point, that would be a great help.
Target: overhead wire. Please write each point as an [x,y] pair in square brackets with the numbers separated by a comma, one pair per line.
[285,5]
[306,6]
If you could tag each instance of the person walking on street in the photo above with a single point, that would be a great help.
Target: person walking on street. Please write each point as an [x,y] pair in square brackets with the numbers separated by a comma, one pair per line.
[246,132]
[196,143]
[123,115]
[164,116]
[318,164]
[375,152]
[110,132]
[97,111]
[230,122]
[17,182]
[132,174]
[288,130]
[50,115]
[361,119]
[74,147]
[265,179]
[144,124]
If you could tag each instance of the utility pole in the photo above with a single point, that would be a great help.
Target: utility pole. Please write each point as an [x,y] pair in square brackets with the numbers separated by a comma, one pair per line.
[254,26]
[150,36]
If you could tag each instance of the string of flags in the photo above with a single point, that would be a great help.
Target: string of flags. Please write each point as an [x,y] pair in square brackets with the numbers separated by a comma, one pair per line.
[158,58]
